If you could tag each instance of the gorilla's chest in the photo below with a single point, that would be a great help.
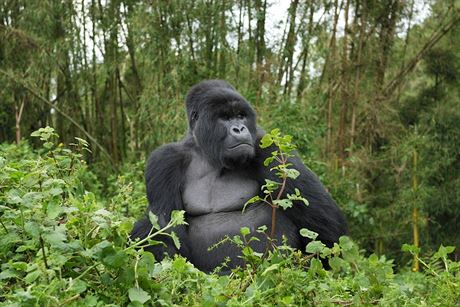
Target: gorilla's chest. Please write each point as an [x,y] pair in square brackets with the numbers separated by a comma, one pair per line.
[207,190]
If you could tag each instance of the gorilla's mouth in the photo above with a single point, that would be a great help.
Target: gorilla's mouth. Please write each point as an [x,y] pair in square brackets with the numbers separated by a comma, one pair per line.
[240,145]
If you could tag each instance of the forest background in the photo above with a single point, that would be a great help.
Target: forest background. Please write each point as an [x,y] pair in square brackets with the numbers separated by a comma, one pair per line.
[370,91]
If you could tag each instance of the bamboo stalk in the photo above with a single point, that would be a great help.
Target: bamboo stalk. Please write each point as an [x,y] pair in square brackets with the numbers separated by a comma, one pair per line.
[415,230]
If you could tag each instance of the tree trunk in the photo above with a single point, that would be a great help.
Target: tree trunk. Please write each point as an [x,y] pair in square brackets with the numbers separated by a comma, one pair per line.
[345,92]
[331,92]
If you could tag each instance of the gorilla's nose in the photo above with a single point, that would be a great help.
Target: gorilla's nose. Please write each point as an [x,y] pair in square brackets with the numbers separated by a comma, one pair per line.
[238,130]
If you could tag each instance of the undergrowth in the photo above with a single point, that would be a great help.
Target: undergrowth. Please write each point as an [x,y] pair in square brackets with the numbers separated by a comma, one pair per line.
[62,243]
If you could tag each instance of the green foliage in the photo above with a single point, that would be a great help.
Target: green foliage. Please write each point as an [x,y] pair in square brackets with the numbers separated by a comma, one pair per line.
[60,245]
[273,190]
[119,70]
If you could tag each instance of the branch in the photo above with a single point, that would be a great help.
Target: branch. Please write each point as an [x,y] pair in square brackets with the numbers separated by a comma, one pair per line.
[435,37]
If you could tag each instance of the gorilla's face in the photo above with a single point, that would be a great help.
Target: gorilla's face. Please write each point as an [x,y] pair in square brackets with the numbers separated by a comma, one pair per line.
[225,129]
[238,146]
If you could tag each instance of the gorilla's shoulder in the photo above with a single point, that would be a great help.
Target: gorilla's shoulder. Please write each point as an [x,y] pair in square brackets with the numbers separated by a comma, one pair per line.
[169,158]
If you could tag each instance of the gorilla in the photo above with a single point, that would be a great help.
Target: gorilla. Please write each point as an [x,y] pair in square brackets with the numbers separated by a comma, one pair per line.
[213,171]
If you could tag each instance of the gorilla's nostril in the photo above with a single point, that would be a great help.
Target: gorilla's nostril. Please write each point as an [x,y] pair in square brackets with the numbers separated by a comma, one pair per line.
[236,130]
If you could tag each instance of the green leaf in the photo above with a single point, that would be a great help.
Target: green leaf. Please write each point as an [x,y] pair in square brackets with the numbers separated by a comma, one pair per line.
[298,197]
[54,210]
[178,217]
[410,248]
[139,295]
[32,228]
[337,264]
[262,229]
[12,197]
[237,240]
[175,240]
[292,173]
[251,201]
[19,266]
[55,191]
[304,232]
[316,267]
[78,286]
[31,198]
[314,247]
[271,268]
[154,220]
[32,276]
[55,237]
[248,251]
[44,133]
[245,231]
[113,258]
[443,251]
[268,161]
[266,141]
[270,185]
[7,274]
[275,132]
[283,203]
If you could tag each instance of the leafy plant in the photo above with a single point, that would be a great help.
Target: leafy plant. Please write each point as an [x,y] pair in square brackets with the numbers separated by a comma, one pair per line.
[274,190]
[63,244]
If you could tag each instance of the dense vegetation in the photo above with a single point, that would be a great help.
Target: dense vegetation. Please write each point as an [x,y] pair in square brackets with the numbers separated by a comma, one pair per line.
[369,90]
[62,245]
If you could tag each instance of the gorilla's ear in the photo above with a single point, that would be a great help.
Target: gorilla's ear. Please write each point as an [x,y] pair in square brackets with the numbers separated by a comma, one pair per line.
[194,116]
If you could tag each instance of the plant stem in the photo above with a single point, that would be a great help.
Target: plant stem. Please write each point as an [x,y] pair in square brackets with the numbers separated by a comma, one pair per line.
[272,232]
[150,235]
[42,245]
[415,230]
[280,193]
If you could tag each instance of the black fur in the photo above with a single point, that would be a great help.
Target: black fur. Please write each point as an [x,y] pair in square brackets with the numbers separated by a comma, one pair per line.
[214,109]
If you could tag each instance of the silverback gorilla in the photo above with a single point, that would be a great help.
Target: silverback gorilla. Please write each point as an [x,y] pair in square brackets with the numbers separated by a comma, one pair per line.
[214,170]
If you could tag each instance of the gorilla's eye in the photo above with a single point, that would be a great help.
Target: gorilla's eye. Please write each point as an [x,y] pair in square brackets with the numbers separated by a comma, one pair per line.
[240,115]
[225,116]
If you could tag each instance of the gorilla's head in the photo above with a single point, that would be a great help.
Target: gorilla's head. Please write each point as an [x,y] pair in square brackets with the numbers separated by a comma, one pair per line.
[222,123]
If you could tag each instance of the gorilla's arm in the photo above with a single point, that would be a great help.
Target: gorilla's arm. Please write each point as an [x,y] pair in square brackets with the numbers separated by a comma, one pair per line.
[322,214]
[164,177]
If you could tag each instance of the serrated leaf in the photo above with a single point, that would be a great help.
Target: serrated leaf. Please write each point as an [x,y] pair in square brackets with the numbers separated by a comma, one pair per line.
[175,239]
[178,217]
[154,220]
